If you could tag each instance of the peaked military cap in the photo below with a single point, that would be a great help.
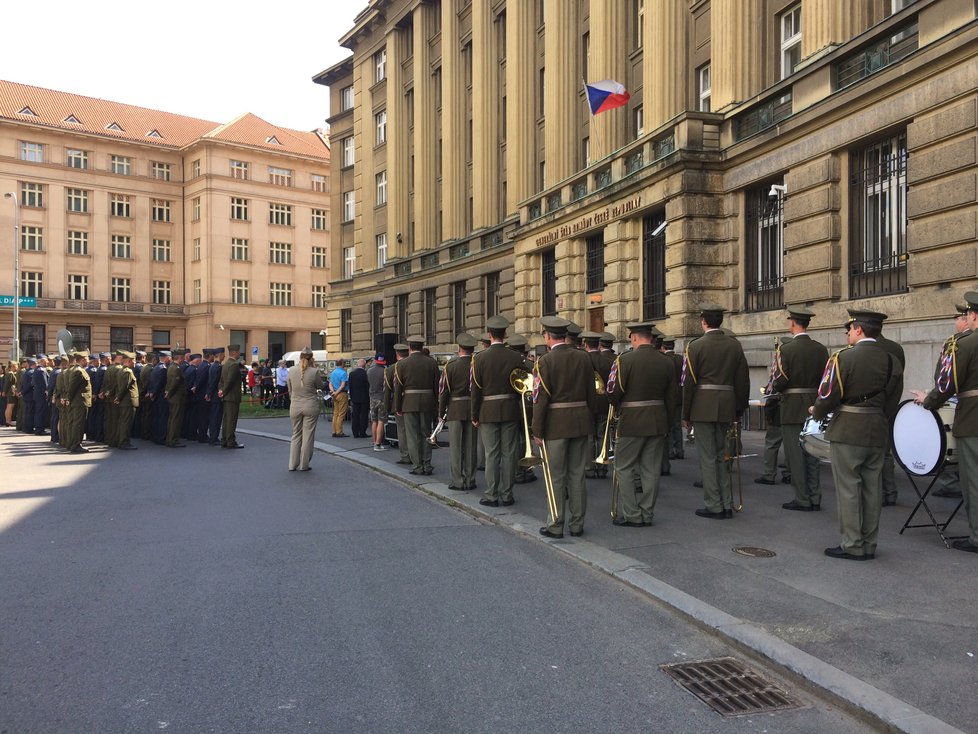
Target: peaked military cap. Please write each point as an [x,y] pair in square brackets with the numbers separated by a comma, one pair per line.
[234,347]
[141,353]
[591,336]
[517,341]
[607,338]
[711,309]
[466,341]
[497,323]
[165,353]
[866,318]
[555,325]
[399,347]
[218,350]
[208,351]
[105,355]
[960,309]
[194,356]
[800,312]
[412,340]
[31,360]
[574,330]
[971,299]
[82,353]
[641,327]
[669,342]
[129,355]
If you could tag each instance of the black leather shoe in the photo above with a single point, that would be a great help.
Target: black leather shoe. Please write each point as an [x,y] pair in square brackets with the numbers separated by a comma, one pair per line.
[764,480]
[728,514]
[945,492]
[508,503]
[129,447]
[428,472]
[965,545]
[889,503]
[457,489]
[236,446]
[545,532]
[795,505]
[489,503]
[79,450]
[628,523]
[576,533]
[471,486]
[416,473]
[837,552]
[785,479]
[712,515]
[698,484]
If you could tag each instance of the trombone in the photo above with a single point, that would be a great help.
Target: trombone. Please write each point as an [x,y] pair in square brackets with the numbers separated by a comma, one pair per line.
[522,382]
[607,456]
[732,451]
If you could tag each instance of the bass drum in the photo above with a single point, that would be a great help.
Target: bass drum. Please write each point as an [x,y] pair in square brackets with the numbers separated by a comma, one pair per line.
[813,440]
[922,440]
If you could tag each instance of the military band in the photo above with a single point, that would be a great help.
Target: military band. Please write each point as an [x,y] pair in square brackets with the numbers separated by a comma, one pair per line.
[454,405]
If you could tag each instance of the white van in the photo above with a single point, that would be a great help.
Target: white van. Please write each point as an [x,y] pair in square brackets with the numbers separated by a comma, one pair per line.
[320,355]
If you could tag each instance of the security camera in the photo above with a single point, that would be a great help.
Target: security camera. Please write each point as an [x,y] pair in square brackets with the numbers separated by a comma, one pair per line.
[777,190]
[660,229]
[398,236]
[221,327]
[322,332]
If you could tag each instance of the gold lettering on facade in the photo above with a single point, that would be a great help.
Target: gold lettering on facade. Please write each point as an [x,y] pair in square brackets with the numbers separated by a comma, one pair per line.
[586,222]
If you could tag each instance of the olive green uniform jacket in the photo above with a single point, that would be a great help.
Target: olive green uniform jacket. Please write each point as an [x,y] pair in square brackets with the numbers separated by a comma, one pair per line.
[802,363]
[230,384]
[639,377]
[564,398]
[416,384]
[715,359]
[493,398]
[454,400]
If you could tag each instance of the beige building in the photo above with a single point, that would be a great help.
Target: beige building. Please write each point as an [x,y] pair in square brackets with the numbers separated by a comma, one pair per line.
[145,227]
[773,152]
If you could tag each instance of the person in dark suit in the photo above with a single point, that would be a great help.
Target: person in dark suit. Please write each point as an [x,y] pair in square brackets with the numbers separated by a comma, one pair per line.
[216,413]
[27,396]
[862,384]
[415,397]
[359,399]
[642,386]
[157,386]
[716,386]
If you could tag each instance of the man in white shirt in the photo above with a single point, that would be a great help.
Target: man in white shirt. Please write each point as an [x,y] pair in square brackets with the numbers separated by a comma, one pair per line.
[281,382]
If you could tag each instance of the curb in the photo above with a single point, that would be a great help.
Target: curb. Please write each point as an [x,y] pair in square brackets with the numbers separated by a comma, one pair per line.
[846,689]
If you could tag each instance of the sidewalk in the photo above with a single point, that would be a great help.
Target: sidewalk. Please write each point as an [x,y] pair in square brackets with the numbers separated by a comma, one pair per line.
[896,637]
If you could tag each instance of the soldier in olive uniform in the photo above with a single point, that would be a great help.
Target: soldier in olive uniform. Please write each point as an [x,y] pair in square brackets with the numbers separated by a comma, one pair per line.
[675,447]
[110,409]
[216,416]
[798,368]
[524,474]
[416,380]
[229,391]
[715,385]
[601,365]
[564,401]
[862,385]
[642,386]
[175,393]
[76,401]
[496,412]
[454,404]
[124,397]
[55,400]
[887,476]
[400,352]
[960,377]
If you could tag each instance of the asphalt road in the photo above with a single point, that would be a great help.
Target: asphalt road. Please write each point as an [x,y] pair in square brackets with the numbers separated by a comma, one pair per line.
[206,590]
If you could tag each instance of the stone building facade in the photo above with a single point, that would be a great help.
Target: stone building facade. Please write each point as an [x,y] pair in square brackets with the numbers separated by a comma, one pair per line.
[772,152]
[145,227]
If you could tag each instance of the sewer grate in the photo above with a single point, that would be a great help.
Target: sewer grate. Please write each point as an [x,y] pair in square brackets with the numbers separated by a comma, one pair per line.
[729,687]
[753,552]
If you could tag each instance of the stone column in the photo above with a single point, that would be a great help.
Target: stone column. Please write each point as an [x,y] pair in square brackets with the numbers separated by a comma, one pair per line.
[609,131]
[561,89]
[827,23]
[737,66]
[664,88]
[398,145]
[452,126]
[485,117]
[520,103]
[425,141]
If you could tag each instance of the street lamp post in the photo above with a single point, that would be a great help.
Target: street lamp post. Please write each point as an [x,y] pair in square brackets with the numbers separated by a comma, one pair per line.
[15,348]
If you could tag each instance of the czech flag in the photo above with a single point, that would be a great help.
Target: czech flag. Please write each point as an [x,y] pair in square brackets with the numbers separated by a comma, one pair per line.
[606,95]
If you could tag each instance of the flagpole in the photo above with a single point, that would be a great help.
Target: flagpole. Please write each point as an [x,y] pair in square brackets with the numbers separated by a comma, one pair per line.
[593,131]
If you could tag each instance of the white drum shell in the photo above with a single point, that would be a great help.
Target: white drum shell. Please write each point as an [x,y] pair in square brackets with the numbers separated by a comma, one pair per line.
[922,440]
[813,441]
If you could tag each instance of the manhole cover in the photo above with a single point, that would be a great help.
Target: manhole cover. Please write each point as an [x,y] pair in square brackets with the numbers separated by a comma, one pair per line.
[749,550]
[729,687]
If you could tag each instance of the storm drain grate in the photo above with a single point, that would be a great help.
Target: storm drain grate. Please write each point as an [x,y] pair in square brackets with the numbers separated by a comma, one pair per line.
[729,687]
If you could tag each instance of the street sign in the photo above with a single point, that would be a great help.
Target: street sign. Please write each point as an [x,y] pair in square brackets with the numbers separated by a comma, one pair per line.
[25,301]
[254,351]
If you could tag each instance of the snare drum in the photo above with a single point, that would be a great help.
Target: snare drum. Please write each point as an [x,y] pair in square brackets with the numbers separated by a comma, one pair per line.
[813,441]
[922,440]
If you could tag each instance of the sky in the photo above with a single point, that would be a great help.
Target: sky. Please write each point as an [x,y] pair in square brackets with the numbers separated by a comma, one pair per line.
[210,59]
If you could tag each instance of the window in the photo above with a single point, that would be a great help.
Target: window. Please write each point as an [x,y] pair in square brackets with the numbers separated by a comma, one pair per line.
[195,209]
[381,241]
[638,12]
[654,266]
[319,296]
[585,54]
[239,291]
[81,336]
[77,200]
[280,214]
[380,65]
[878,218]
[76,158]
[195,168]
[319,219]
[161,338]
[196,248]
[239,208]
[381,181]
[121,246]
[121,164]
[32,194]
[33,152]
[32,339]
[161,210]
[586,151]
[380,123]
[349,262]
[764,258]
[119,205]
[77,287]
[280,294]
[160,171]
[790,40]
[280,176]
[377,317]
[595,263]
[319,182]
[317,340]
[430,317]
[32,284]
[703,88]
[197,291]
[548,277]
[161,250]
[491,286]
[120,337]
[349,152]
[346,98]
[31,238]
[458,307]
[77,242]
[239,169]
[346,329]
[349,206]
[402,315]
[161,292]
[239,249]
[280,253]
[639,121]
[320,257]
[121,290]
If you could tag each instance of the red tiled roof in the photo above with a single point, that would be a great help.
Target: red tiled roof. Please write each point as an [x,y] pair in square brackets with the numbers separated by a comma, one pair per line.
[139,124]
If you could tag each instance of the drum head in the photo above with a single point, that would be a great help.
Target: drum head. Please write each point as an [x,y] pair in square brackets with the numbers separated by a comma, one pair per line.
[919,440]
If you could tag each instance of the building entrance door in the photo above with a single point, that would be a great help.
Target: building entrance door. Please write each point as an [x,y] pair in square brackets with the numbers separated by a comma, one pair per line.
[276,345]
[595,320]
